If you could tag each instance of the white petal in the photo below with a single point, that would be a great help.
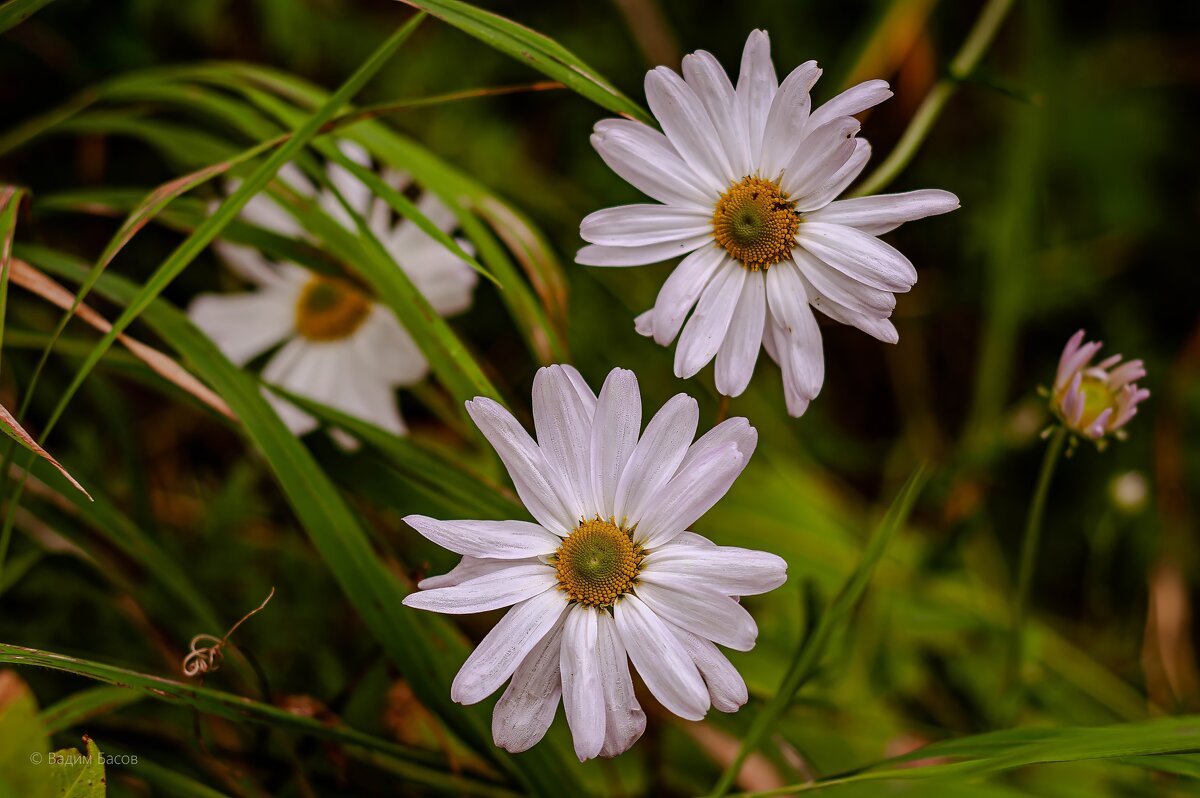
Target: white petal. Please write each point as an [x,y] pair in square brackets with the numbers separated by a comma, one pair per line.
[661,659]
[637,225]
[643,323]
[756,89]
[525,711]
[647,161]
[525,463]
[858,255]
[842,289]
[656,456]
[736,431]
[499,654]
[705,331]
[583,692]
[689,495]
[586,395]
[501,588]
[245,325]
[564,433]
[739,350]
[797,336]
[298,368]
[707,78]
[251,265]
[853,100]
[496,540]
[387,349]
[833,187]
[681,290]
[699,610]
[787,118]
[883,213]
[597,255]
[624,720]
[447,281]
[615,430]
[873,323]
[726,686]
[470,568]
[727,569]
[686,122]
[814,165]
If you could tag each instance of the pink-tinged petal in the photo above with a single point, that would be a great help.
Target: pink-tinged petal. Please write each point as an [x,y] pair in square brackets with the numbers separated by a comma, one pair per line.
[645,159]
[787,118]
[525,464]
[1126,373]
[883,213]
[525,711]
[624,720]
[640,225]
[615,431]
[705,331]
[564,434]
[501,588]
[506,646]
[707,78]
[656,457]
[1073,401]
[798,338]
[756,89]
[726,687]
[688,127]
[1099,427]
[661,659]
[597,255]
[643,323]
[698,609]
[689,495]
[858,255]
[852,101]
[813,166]
[683,288]
[582,688]
[729,570]
[739,351]
[498,540]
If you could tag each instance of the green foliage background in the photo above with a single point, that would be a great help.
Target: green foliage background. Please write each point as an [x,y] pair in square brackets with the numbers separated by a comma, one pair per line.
[1070,148]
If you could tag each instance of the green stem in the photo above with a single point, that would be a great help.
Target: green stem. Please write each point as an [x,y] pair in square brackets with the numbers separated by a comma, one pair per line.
[1029,549]
[964,63]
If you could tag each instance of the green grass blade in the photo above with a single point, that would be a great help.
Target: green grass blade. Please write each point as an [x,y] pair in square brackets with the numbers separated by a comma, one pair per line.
[14,12]
[536,49]
[808,658]
[86,704]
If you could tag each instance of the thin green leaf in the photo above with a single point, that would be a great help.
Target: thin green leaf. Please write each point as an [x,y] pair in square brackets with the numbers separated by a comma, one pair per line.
[84,705]
[14,12]
[14,430]
[540,51]
[812,649]
[10,205]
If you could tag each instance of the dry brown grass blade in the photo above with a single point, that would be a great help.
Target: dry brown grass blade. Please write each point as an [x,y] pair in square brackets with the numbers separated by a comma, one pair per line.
[38,283]
[13,428]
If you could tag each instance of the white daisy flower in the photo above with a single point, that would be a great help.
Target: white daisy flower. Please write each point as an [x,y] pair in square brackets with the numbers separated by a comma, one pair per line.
[339,346]
[608,572]
[748,180]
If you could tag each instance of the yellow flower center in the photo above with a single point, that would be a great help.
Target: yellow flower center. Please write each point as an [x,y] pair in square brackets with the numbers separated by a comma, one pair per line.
[756,223]
[1096,399]
[330,309]
[597,563]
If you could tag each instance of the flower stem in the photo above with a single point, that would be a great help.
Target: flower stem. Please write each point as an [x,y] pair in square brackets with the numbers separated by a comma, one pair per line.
[964,63]
[1029,549]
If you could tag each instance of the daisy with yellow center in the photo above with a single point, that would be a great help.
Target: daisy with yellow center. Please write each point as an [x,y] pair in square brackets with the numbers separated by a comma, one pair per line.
[336,344]
[748,179]
[609,574]
[1096,400]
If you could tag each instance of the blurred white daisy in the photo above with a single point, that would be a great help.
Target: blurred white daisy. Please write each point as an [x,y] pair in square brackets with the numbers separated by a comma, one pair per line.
[339,346]
[1096,400]
[748,180]
[608,572]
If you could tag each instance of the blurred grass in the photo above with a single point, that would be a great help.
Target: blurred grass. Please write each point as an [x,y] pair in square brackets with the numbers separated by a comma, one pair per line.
[1068,148]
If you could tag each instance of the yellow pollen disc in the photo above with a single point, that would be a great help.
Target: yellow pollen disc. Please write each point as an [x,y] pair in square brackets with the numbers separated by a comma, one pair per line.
[597,563]
[330,309]
[1096,399]
[756,223]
